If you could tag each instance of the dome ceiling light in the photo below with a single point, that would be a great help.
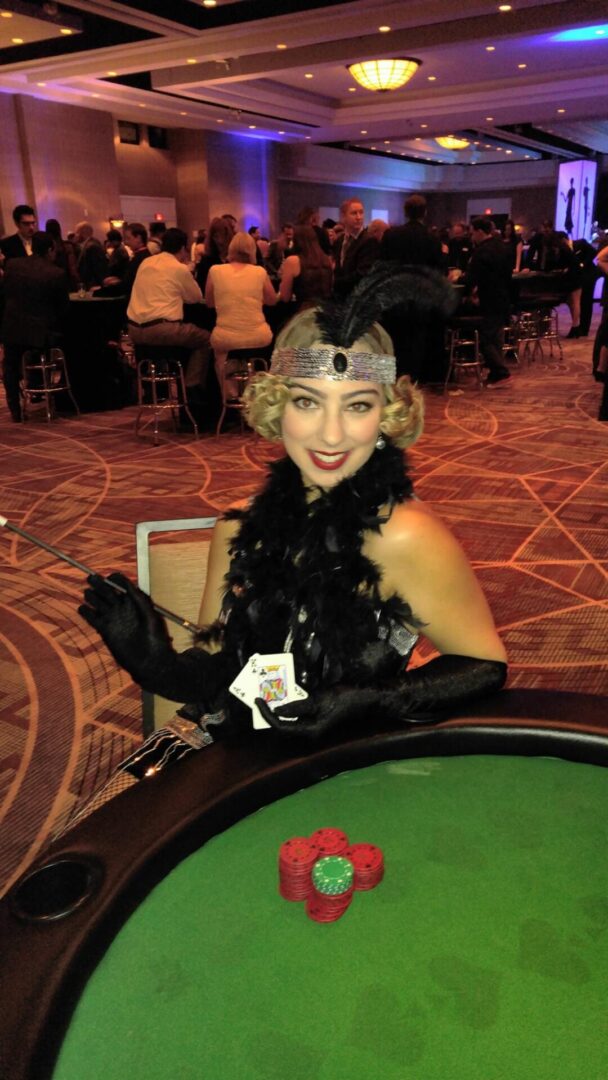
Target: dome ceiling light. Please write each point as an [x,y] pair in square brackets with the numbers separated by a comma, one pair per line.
[451,142]
[384,74]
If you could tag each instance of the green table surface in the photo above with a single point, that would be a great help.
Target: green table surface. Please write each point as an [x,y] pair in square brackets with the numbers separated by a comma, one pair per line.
[483,955]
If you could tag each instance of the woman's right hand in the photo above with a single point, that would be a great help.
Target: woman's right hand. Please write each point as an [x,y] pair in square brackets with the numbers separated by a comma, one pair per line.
[137,637]
[125,619]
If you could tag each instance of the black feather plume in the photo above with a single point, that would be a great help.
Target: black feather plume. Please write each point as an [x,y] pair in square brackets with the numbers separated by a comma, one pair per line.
[416,291]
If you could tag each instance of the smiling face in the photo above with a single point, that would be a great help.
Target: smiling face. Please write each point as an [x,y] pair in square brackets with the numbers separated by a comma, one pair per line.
[330,428]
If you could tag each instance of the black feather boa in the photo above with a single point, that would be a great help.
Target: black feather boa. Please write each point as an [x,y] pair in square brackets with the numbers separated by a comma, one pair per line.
[298,580]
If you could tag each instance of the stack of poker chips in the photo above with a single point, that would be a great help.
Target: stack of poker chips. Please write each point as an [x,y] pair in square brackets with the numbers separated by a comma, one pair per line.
[332,888]
[325,870]
[296,860]
[368,864]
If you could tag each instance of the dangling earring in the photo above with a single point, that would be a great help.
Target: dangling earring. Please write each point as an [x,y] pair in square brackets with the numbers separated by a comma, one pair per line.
[380,442]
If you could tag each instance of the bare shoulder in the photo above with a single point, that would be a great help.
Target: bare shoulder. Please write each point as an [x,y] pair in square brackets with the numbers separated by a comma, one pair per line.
[421,561]
[414,531]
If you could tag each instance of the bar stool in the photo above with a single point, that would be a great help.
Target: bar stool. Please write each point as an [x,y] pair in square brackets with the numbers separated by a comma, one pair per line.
[248,363]
[463,346]
[44,373]
[161,376]
[548,324]
[528,331]
[510,346]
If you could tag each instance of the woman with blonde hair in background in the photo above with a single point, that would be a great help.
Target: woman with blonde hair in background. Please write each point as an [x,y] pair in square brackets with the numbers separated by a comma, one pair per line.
[238,290]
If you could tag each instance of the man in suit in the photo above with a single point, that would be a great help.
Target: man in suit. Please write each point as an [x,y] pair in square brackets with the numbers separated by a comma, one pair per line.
[489,276]
[36,302]
[20,243]
[413,244]
[355,252]
[418,347]
[136,239]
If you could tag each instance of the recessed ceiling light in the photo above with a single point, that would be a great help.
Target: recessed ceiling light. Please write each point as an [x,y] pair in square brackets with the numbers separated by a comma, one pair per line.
[110,73]
[92,95]
[432,78]
[40,84]
[281,132]
[209,3]
[475,144]
[489,118]
[17,40]
[309,75]
[508,151]
[505,7]
[527,157]
[142,106]
[281,45]
[363,132]
[219,121]
[352,89]
[522,66]
[384,29]
[402,153]
[65,30]
[372,147]
[191,60]
[498,147]
[387,142]
[561,110]
[490,48]
[252,127]
[6,14]
[183,114]
[424,125]
[418,138]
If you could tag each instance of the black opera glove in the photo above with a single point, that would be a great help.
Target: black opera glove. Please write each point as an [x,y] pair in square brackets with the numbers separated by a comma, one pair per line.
[137,637]
[416,697]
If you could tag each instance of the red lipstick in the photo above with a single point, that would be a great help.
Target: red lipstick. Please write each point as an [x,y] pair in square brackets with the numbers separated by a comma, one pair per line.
[336,462]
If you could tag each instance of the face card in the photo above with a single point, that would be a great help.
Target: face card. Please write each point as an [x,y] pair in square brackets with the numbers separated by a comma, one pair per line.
[271,677]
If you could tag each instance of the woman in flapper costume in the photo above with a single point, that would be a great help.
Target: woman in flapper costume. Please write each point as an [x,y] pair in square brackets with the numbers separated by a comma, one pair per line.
[335,560]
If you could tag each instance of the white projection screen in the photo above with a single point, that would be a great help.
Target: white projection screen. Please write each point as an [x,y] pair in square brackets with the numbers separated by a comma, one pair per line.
[575,198]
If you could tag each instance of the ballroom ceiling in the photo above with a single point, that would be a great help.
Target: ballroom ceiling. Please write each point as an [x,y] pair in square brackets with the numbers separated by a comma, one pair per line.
[521,83]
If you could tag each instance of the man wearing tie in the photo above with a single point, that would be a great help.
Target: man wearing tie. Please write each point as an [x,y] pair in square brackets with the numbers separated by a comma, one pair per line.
[354,252]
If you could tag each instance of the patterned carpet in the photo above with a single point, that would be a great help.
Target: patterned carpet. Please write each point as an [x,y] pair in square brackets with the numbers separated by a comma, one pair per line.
[519,471]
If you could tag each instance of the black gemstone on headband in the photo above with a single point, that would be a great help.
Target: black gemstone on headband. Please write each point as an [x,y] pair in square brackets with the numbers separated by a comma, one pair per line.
[340,362]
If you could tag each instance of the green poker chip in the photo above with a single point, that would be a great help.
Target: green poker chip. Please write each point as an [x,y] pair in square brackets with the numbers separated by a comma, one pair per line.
[333,875]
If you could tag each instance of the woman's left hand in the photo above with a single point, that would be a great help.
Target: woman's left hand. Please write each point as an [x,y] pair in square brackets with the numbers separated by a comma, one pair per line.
[313,717]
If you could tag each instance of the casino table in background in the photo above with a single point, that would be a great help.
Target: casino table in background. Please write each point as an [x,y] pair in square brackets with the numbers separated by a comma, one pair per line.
[98,377]
[483,954]
[529,285]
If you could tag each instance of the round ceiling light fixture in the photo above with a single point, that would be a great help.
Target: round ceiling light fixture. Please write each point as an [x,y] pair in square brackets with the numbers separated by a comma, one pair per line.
[452,142]
[384,74]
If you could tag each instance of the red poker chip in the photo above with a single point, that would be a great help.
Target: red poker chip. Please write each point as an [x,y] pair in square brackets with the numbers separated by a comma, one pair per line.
[297,857]
[298,851]
[320,911]
[330,841]
[368,862]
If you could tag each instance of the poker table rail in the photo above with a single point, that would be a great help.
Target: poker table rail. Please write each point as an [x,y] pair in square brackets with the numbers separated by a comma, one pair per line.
[112,859]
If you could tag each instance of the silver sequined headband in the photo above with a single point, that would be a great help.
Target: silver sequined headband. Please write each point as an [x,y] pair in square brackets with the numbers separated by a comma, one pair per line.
[333,362]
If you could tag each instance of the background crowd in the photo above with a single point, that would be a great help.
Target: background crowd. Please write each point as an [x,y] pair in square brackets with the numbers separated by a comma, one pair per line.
[226,289]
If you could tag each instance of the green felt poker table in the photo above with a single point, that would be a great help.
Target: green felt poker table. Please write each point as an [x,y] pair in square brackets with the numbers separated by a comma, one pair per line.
[151,940]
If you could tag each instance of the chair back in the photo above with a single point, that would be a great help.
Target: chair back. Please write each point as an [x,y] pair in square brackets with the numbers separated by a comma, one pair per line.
[172,568]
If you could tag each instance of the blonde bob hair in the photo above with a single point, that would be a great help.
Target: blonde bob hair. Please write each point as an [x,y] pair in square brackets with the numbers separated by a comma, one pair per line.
[266,396]
[242,248]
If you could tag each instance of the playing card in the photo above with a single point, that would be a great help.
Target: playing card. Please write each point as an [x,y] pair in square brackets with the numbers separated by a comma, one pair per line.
[271,677]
